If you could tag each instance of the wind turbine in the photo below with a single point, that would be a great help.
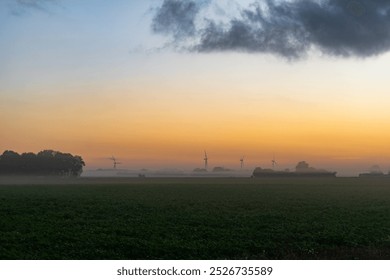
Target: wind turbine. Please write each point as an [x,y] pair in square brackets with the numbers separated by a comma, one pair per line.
[114,161]
[242,161]
[205,160]
[273,162]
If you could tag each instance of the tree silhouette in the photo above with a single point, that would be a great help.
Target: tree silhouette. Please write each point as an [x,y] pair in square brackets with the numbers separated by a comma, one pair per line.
[46,162]
[302,166]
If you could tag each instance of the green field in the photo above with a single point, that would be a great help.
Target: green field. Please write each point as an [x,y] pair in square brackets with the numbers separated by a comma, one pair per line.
[221,218]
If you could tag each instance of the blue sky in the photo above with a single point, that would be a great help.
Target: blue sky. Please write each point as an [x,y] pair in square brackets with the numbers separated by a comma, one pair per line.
[75,41]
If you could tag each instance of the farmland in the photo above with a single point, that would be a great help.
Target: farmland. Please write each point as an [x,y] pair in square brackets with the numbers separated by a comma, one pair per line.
[202,218]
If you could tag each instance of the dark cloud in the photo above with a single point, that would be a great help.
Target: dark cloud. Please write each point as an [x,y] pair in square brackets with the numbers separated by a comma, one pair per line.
[176,17]
[287,28]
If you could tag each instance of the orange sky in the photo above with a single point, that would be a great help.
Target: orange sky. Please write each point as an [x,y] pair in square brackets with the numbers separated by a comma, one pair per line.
[154,123]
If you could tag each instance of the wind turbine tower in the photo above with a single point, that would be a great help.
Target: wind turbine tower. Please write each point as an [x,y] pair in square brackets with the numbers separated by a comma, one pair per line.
[114,161]
[242,161]
[273,162]
[205,160]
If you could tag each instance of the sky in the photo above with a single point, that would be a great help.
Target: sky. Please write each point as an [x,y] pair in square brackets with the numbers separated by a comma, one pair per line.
[155,83]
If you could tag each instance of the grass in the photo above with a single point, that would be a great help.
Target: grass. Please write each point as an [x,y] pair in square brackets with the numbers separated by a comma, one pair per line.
[334,218]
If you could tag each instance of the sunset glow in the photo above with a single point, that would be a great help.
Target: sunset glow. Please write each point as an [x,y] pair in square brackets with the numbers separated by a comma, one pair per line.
[72,83]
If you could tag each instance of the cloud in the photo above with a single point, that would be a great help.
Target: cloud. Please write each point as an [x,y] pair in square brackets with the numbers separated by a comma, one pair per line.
[176,18]
[287,28]
[21,6]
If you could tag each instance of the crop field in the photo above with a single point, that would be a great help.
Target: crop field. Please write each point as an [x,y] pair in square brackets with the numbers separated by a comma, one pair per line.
[202,218]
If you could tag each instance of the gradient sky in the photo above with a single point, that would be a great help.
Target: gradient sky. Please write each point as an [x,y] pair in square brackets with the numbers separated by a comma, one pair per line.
[92,78]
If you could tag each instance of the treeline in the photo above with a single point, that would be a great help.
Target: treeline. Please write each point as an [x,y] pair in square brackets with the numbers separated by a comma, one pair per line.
[47,162]
[303,169]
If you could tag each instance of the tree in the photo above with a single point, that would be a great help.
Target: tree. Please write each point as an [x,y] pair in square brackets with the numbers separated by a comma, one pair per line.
[9,162]
[29,163]
[302,166]
[46,162]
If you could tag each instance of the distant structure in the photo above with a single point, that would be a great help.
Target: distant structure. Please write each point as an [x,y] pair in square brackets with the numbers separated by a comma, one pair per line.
[242,161]
[273,161]
[375,171]
[220,169]
[205,160]
[199,170]
[114,161]
[302,170]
